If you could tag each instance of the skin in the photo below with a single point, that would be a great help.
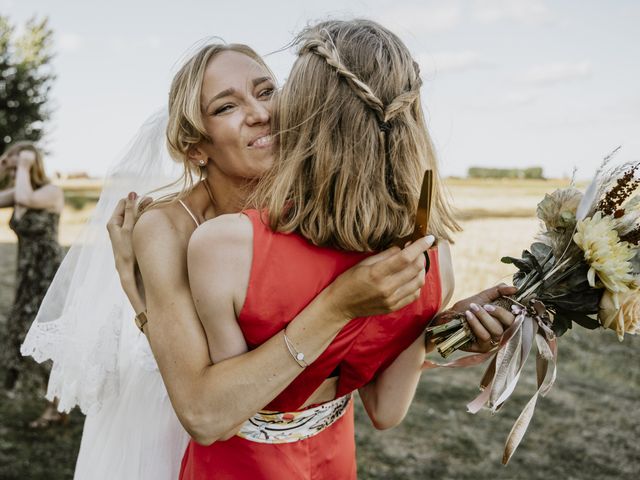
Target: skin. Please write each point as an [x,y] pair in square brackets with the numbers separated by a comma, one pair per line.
[214,398]
[22,197]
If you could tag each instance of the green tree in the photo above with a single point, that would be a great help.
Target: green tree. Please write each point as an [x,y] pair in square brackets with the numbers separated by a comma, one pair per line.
[26,77]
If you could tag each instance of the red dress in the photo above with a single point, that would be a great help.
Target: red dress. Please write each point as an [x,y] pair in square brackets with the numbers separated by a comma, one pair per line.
[287,272]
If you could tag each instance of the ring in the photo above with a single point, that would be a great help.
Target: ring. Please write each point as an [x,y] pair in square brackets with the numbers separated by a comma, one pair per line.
[494,343]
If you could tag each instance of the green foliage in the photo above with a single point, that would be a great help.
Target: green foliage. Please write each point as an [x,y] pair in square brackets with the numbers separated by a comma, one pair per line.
[528,173]
[26,78]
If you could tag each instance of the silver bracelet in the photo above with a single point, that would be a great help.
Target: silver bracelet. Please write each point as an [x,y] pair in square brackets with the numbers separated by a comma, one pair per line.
[297,356]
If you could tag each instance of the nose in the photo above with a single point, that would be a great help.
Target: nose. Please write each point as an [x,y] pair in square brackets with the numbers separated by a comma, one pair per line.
[258,112]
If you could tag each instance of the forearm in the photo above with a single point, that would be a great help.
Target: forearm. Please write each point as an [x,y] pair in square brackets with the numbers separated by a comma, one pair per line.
[388,397]
[7,197]
[214,399]
[23,189]
[129,285]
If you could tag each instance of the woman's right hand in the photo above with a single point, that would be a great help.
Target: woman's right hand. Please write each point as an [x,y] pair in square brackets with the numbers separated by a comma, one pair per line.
[382,283]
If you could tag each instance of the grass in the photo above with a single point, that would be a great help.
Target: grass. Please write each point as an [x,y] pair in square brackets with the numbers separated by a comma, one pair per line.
[587,428]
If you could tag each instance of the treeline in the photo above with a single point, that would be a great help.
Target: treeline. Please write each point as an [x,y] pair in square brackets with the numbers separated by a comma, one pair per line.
[528,173]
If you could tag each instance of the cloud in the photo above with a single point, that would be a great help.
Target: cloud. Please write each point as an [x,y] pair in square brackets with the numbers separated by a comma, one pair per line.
[447,62]
[152,41]
[524,11]
[69,42]
[430,17]
[558,72]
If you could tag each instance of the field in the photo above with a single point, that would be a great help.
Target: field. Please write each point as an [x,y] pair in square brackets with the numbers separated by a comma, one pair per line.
[587,428]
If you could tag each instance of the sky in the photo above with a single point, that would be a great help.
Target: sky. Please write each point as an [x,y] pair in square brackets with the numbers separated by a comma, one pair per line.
[507,83]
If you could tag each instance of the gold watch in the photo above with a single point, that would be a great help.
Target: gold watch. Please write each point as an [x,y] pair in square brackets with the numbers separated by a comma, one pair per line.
[141,320]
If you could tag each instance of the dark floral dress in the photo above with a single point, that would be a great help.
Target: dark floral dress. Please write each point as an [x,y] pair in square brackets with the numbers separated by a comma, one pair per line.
[39,256]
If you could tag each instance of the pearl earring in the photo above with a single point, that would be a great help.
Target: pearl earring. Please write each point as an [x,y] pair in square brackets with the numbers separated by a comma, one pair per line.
[202,163]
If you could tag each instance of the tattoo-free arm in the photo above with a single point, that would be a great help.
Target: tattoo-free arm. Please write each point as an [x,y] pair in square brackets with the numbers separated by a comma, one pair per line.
[211,399]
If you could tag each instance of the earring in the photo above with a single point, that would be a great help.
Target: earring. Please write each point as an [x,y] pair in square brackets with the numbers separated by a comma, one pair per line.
[202,163]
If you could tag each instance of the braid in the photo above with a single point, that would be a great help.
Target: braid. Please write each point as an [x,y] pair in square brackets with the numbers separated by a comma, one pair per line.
[401,103]
[327,51]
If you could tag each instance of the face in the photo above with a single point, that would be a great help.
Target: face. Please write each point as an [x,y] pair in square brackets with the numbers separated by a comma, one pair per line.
[236,106]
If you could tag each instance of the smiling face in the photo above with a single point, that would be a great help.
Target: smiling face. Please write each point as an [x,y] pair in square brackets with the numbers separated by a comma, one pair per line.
[236,112]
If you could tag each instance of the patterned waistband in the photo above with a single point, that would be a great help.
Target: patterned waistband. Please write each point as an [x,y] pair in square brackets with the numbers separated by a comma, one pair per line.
[286,427]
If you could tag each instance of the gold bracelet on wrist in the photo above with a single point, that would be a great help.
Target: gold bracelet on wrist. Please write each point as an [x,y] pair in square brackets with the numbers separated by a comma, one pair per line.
[141,320]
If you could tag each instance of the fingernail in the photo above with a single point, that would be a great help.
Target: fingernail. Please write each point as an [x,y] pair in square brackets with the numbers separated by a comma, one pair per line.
[132,195]
[475,307]
[514,308]
[469,315]
[430,238]
[489,308]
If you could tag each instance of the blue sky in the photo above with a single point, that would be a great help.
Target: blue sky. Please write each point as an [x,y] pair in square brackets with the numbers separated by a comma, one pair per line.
[508,83]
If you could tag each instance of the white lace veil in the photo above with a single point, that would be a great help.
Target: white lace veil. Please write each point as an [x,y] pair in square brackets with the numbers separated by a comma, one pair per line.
[85,312]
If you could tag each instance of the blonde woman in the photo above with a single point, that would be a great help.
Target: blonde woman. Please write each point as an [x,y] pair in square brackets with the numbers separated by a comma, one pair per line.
[352,146]
[37,205]
[218,130]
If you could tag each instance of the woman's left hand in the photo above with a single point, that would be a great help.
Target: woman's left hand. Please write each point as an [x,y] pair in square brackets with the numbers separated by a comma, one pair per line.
[487,322]
[26,158]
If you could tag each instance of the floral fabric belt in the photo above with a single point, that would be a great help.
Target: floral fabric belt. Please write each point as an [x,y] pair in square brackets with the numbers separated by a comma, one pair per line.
[286,427]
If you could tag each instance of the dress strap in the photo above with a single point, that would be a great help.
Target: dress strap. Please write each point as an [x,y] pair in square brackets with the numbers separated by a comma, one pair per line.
[190,213]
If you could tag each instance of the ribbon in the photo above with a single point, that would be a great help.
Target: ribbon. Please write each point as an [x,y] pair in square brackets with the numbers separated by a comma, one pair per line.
[503,372]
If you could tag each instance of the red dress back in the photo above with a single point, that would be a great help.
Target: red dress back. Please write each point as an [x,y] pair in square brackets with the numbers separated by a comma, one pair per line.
[287,273]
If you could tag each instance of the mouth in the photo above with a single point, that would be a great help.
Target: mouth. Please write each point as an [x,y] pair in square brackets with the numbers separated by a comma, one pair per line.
[263,141]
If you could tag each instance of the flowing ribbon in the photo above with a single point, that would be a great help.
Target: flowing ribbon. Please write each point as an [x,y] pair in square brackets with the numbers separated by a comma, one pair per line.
[503,372]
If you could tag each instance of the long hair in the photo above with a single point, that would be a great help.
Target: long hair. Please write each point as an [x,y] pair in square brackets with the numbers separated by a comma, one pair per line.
[37,174]
[185,127]
[352,142]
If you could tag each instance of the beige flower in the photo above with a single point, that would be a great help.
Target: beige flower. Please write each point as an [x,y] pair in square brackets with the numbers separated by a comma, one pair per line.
[625,319]
[608,257]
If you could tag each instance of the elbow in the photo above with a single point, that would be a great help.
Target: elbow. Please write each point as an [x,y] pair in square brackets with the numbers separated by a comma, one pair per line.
[205,428]
[385,422]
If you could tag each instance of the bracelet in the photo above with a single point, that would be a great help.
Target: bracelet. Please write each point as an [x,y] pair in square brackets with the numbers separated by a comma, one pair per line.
[141,320]
[297,356]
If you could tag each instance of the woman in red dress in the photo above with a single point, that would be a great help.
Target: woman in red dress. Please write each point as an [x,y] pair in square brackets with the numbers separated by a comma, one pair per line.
[352,148]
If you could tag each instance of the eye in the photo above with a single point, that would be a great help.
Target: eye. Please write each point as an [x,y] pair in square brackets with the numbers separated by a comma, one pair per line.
[267,92]
[223,108]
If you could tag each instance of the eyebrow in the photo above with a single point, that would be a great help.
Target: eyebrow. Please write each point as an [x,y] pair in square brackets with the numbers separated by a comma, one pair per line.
[231,91]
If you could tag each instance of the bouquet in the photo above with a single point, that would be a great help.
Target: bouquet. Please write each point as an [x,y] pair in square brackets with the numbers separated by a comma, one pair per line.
[583,269]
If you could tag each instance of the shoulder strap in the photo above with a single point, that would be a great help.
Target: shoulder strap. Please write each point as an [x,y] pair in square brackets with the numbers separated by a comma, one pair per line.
[190,213]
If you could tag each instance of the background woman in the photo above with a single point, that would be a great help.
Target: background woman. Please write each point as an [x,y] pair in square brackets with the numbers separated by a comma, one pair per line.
[37,205]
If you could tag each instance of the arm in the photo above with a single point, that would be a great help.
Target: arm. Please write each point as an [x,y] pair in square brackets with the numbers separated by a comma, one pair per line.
[7,197]
[387,398]
[47,197]
[212,399]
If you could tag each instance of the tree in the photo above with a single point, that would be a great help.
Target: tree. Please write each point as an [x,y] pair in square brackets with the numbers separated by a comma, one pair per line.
[26,77]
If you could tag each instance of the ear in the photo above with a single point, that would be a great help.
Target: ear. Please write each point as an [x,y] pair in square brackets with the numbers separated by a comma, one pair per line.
[197,156]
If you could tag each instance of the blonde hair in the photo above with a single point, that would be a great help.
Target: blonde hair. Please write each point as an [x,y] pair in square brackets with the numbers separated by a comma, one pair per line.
[185,128]
[37,174]
[352,142]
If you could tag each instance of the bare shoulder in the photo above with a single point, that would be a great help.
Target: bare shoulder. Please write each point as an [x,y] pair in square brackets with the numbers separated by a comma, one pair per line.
[153,225]
[232,231]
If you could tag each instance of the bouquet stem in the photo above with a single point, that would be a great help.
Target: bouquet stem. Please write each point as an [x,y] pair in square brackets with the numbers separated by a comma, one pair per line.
[455,333]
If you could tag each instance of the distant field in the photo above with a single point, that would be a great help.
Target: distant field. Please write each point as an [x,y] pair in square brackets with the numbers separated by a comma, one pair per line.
[586,429]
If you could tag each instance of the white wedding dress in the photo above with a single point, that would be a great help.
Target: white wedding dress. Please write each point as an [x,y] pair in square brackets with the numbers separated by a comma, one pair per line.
[101,361]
